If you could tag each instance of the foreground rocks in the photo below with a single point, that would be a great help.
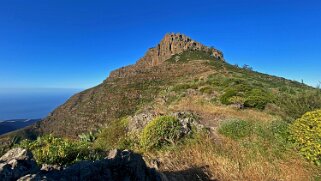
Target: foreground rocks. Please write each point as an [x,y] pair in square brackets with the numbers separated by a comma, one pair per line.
[19,164]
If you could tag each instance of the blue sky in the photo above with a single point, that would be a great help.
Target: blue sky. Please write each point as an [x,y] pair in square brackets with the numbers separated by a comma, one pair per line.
[75,44]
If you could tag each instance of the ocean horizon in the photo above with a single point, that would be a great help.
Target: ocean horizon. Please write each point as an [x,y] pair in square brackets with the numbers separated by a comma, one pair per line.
[31,103]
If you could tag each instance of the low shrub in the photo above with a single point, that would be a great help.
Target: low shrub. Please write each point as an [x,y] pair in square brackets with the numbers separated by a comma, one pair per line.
[161,131]
[113,136]
[225,98]
[296,105]
[87,137]
[236,129]
[245,95]
[306,132]
[257,98]
[52,150]
[257,102]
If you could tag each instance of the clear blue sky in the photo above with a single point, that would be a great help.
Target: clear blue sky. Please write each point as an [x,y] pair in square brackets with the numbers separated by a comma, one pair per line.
[75,44]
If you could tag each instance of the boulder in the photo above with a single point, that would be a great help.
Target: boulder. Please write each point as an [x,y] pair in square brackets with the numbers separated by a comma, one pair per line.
[16,163]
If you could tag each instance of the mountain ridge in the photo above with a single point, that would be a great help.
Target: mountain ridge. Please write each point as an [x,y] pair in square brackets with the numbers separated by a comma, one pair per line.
[126,90]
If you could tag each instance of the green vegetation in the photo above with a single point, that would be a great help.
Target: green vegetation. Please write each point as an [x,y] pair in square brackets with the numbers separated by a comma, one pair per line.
[297,104]
[306,133]
[248,96]
[161,131]
[113,136]
[87,137]
[53,150]
[266,139]
[236,129]
[255,142]
[180,87]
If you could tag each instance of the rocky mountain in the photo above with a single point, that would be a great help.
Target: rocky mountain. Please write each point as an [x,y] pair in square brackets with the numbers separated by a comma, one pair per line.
[131,89]
[127,88]
[231,122]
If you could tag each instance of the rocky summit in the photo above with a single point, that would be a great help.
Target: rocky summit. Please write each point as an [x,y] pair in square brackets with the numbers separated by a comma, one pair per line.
[173,44]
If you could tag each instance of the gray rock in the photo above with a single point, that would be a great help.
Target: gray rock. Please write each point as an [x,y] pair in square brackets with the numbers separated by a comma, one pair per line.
[16,163]
[139,121]
[46,167]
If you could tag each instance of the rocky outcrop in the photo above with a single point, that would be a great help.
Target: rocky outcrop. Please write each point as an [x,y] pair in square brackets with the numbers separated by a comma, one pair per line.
[173,44]
[188,120]
[18,164]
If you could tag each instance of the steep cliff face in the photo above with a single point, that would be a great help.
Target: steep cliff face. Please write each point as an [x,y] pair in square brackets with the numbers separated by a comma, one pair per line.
[173,44]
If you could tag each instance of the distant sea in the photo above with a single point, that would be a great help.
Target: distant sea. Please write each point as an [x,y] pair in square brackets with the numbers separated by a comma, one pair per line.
[31,103]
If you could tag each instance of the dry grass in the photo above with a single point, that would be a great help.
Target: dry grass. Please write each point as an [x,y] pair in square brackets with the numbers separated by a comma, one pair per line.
[212,114]
[230,162]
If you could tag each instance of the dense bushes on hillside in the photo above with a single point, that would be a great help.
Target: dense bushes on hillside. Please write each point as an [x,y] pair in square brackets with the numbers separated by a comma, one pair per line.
[247,96]
[306,132]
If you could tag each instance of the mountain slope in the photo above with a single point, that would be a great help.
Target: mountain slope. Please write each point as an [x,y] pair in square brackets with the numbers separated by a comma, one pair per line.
[130,88]
[241,116]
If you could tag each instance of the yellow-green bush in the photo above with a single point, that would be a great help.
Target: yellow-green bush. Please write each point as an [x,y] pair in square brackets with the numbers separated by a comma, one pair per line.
[163,130]
[306,132]
[52,150]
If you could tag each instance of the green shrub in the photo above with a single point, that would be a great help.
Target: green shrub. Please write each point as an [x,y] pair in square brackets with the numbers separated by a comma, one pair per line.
[161,131]
[255,102]
[113,136]
[257,98]
[236,129]
[87,137]
[296,105]
[306,132]
[225,98]
[52,150]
